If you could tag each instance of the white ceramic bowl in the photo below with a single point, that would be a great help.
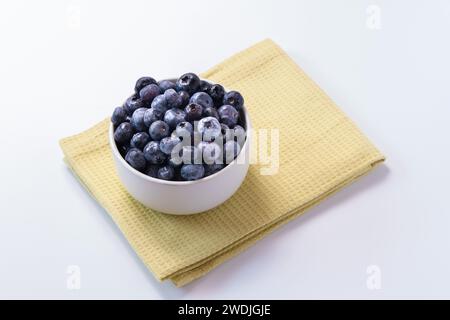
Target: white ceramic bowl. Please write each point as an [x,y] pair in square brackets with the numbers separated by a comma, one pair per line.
[184,197]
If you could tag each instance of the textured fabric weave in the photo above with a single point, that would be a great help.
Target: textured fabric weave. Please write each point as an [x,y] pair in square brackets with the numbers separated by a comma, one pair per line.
[321,151]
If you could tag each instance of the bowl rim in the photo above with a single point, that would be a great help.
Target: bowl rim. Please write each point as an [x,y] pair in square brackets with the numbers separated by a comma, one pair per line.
[141,175]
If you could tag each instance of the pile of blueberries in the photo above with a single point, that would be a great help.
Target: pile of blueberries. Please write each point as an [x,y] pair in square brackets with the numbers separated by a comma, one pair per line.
[181,131]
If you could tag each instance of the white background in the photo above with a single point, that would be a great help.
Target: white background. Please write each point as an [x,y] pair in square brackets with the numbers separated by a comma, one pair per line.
[64,65]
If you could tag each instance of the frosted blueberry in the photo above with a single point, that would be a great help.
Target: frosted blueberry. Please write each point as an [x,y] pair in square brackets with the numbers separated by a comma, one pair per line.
[166,173]
[151,115]
[137,120]
[119,115]
[202,99]
[158,130]
[136,159]
[123,133]
[153,154]
[192,171]
[174,116]
[234,98]
[228,115]
[140,140]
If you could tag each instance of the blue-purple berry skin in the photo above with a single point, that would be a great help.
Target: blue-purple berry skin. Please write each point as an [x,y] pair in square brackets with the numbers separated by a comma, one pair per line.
[123,133]
[151,115]
[209,128]
[189,82]
[210,112]
[191,172]
[137,120]
[234,99]
[173,117]
[153,154]
[212,168]
[119,116]
[166,173]
[204,86]
[152,170]
[166,85]
[159,104]
[132,104]
[173,99]
[228,115]
[202,99]
[185,96]
[140,140]
[158,130]
[136,159]
[167,144]
[193,111]
[143,82]
[216,92]
[179,130]
[148,93]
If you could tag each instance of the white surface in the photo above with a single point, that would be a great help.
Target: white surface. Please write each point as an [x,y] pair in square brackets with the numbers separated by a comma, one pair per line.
[60,73]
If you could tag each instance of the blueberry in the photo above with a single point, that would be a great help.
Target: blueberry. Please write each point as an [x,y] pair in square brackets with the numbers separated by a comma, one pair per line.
[216,92]
[228,115]
[212,168]
[119,115]
[143,82]
[239,134]
[137,120]
[189,82]
[209,128]
[152,170]
[136,159]
[227,133]
[231,150]
[184,129]
[184,98]
[140,140]
[211,112]
[167,144]
[151,115]
[193,111]
[158,130]
[202,99]
[160,104]
[174,116]
[192,171]
[123,149]
[123,133]
[234,98]
[132,104]
[191,154]
[148,93]
[204,86]
[211,152]
[173,99]
[166,173]
[166,85]
[153,154]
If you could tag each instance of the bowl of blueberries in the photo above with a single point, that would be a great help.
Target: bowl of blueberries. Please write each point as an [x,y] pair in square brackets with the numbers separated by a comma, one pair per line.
[181,146]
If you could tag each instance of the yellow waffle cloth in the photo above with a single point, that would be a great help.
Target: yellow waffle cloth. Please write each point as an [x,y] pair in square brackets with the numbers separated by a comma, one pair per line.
[320,151]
